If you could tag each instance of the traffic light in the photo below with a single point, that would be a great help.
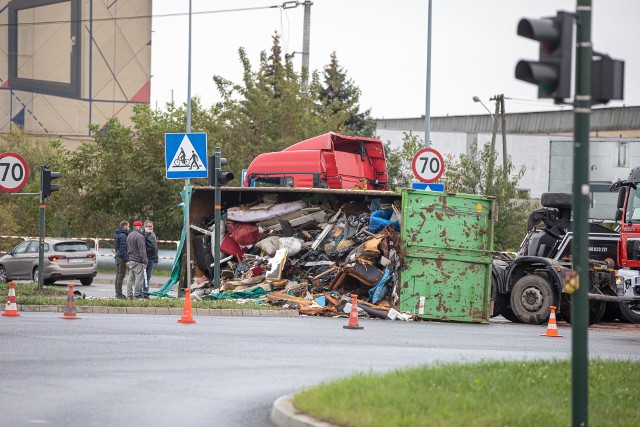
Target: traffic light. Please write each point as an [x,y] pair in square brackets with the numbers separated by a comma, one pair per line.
[218,177]
[552,72]
[607,78]
[46,177]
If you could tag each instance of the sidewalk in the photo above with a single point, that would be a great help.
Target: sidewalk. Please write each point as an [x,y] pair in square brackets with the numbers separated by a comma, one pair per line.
[110,279]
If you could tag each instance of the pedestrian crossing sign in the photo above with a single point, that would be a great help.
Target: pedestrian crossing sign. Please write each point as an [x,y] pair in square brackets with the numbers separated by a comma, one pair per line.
[185,155]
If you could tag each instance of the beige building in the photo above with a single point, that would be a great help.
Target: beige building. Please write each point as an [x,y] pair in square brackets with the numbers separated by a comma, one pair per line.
[65,64]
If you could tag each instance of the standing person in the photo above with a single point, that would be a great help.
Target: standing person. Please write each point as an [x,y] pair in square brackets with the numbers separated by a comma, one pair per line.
[137,251]
[122,258]
[152,253]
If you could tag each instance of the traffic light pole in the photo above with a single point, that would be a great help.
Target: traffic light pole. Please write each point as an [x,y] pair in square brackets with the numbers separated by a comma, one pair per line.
[217,208]
[41,235]
[580,309]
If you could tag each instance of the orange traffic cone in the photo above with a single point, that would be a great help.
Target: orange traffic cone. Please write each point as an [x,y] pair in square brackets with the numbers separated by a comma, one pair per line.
[353,316]
[552,329]
[11,309]
[186,309]
[70,308]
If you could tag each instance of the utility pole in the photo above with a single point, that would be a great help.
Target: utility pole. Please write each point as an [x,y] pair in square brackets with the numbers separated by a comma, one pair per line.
[492,153]
[305,42]
[580,302]
[427,111]
[505,172]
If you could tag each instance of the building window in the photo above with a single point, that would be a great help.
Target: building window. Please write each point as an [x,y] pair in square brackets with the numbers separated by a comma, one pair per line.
[44,46]
[623,154]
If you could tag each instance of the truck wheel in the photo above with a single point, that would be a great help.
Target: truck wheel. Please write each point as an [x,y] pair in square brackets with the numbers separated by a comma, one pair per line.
[500,301]
[612,312]
[596,309]
[531,298]
[630,311]
[507,313]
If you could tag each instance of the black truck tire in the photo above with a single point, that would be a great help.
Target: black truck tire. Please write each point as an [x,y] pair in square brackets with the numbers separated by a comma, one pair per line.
[630,311]
[204,258]
[596,309]
[531,298]
[557,200]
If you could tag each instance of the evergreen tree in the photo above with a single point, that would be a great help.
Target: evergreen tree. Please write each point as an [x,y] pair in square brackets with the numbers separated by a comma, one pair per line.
[339,93]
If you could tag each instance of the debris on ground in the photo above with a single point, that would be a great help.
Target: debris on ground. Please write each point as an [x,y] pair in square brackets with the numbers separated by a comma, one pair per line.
[308,254]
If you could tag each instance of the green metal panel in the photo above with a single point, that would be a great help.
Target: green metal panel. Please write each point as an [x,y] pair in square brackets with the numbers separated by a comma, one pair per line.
[447,245]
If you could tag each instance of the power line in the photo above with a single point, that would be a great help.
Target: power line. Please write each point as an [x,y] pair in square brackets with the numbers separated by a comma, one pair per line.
[164,15]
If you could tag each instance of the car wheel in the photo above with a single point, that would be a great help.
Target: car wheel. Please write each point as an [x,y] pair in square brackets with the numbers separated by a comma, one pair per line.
[3,275]
[35,275]
[531,298]
[86,281]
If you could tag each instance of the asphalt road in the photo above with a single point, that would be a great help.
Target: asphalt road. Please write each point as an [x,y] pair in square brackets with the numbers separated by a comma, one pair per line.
[132,370]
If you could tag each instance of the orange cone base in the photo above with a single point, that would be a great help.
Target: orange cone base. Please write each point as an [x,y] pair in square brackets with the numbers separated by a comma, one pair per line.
[353,327]
[185,319]
[11,313]
[71,316]
[553,335]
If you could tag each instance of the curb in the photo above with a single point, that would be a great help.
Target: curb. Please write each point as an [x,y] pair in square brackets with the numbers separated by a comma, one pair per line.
[160,311]
[284,414]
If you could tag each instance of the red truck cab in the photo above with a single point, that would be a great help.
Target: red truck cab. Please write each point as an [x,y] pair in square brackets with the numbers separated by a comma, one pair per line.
[325,161]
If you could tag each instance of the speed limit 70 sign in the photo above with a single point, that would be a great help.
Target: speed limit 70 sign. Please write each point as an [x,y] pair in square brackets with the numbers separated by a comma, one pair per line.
[14,172]
[428,165]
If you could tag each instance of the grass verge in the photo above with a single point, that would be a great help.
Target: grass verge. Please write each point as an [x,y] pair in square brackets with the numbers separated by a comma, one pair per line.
[51,295]
[492,393]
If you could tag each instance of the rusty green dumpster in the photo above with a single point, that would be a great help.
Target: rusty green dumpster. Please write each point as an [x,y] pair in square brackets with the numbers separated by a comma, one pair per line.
[447,245]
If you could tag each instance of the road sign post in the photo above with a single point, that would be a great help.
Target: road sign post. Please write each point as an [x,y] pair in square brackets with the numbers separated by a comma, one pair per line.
[427,165]
[186,157]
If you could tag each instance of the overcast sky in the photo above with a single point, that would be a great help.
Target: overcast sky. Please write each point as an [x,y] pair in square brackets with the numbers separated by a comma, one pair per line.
[383,47]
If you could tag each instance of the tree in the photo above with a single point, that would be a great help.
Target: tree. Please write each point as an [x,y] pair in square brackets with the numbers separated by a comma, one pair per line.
[270,110]
[399,160]
[339,93]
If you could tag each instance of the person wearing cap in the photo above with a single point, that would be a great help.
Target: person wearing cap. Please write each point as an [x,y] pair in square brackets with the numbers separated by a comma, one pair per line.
[137,252]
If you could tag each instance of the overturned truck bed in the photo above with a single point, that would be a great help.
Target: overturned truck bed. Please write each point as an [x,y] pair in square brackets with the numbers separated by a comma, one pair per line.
[413,254]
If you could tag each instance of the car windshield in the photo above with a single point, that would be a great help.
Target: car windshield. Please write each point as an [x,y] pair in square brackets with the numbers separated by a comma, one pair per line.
[633,206]
[71,247]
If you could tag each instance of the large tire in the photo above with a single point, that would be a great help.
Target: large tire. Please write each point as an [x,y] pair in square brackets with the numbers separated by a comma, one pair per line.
[612,312]
[596,309]
[500,301]
[34,274]
[630,311]
[508,314]
[531,298]
[557,200]
[86,281]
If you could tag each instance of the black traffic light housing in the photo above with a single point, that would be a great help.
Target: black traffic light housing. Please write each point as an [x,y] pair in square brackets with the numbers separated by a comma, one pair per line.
[552,72]
[46,176]
[218,177]
[607,78]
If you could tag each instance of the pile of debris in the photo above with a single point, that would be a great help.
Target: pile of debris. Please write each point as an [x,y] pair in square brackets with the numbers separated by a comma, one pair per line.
[308,254]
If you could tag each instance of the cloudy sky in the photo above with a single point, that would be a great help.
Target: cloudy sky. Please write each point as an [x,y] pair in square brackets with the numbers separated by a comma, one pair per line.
[383,47]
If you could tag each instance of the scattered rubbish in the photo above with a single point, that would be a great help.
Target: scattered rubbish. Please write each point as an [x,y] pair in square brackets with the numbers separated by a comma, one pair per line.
[311,254]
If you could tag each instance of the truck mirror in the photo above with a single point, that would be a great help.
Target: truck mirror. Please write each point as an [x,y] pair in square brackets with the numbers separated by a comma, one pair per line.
[621,196]
[618,215]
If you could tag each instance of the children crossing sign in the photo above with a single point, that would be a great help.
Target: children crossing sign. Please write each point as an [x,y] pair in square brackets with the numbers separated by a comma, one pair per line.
[185,155]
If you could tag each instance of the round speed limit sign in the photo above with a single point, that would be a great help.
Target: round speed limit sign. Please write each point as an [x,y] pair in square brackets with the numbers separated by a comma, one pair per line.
[428,165]
[14,172]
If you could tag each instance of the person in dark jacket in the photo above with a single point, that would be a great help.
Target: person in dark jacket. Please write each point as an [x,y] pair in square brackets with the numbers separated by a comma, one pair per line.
[137,251]
[122,259]
[152,253]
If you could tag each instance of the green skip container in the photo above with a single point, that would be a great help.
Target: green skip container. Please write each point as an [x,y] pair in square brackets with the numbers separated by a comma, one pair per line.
[447,246]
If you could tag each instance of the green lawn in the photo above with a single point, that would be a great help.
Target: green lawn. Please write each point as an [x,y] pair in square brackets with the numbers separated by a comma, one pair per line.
[55,295]
[536,393]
